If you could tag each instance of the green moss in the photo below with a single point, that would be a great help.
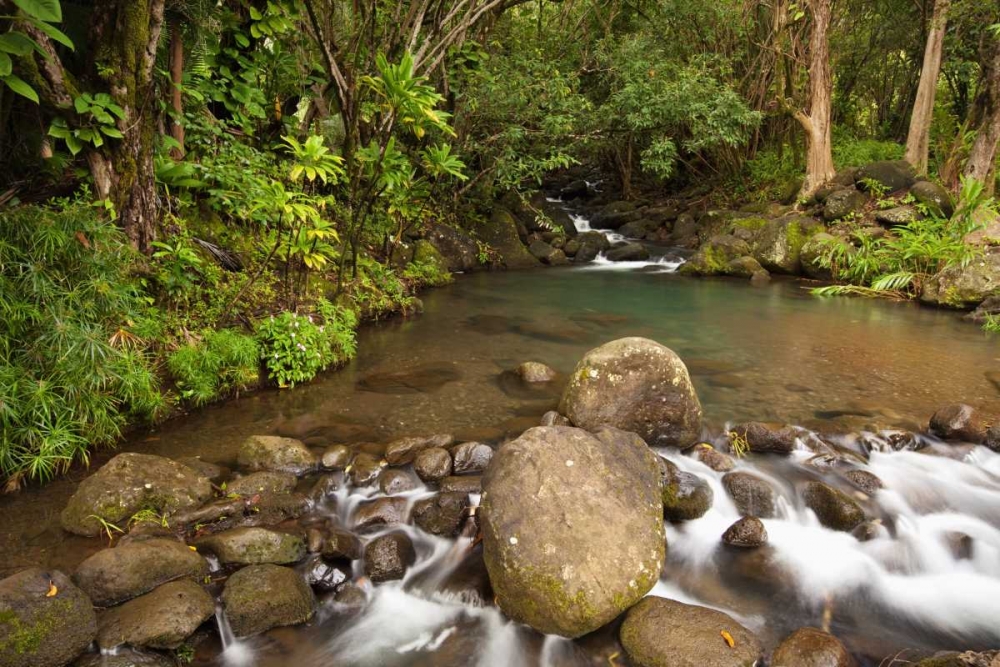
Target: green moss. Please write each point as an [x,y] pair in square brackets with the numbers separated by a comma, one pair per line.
[26,638]
[752,224]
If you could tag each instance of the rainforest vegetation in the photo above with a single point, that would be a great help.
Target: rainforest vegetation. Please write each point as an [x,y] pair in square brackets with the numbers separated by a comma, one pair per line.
[200,197]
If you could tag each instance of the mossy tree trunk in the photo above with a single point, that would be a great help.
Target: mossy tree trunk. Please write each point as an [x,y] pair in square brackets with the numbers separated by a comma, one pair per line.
[125,34]
[918,139]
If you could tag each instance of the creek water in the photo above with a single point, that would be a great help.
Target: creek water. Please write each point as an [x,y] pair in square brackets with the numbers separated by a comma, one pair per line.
[929,578]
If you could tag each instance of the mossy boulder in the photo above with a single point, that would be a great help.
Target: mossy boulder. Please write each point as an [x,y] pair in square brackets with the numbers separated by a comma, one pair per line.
[936,198]
[261,597]
[637,385]
[844,203]
[161,619]
[747,267]
[813,251]
[809,647]
[572,527]
[426,253]
[965,659]
[893,175]
[713,257]
[37,630]
[129,483]
[500,232]
[253,546]
[590,245]
[967,286]
[114,575]
[834,508]
[458,250]
[778,246]
[685,496]
[275,453]
[752,495]
[659,632]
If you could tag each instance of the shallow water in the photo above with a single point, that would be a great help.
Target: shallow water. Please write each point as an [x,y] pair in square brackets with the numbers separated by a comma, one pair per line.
[767,353]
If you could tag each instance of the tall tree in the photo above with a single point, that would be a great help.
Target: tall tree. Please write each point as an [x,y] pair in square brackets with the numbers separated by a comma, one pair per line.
[986,118]
[817,123]
[918,139]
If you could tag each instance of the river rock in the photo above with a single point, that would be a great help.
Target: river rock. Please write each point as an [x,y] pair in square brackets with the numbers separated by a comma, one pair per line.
[753,496]
[466,484]
[685,496]
[685,233]
[813,251]
[161,619]
[553,418]
[380,512]
[937,199]
[129,483]
[262,482]
[764,438]
[458,250]
[336,457]
[253,546]
[114,575]
[387,557]
[272,452]
[897,216]
[659,632]
[967,286]
[41,631]
[778,246]
[714,256]
[546,254]
[637,385]
[501,233]
[392,481]
[442,513]
[325,576]
[809,647]
[713,458]
[629,252]
[844,203]
[212,472]
[124,657]
[572,527]
[403,451]
[747,267]
[533,371]
[864,480]
[893,175]
[342,545]
[834,508]
[365,468]
[747,532]
[433,464]
[471,457]
[261,597]
[591,245]
[958,422]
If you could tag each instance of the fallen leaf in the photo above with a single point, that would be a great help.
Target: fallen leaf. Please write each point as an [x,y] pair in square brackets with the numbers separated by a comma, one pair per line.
[729,639]
[192,547]
[82,238]
[52,590]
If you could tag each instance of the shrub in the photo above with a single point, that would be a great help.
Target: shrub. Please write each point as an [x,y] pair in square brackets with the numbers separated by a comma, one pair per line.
[296,347]
[72,370]
[224,362]
[849,151]
[426,273]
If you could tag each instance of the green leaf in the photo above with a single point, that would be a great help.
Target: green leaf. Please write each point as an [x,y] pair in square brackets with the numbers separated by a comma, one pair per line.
[43,10]
[21,88]
[54,33]
[74,144]
[81,106]
[6,64]
[241,39]
[255,14]
[17,43]
[113,132]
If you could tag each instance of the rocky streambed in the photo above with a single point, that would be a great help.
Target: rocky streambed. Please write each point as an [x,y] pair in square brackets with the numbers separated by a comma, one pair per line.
[623,529]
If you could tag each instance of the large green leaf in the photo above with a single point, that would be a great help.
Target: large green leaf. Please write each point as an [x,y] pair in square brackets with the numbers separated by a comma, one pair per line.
[44,10]
[54,33]
[17,43]
[6,64]
[21,88]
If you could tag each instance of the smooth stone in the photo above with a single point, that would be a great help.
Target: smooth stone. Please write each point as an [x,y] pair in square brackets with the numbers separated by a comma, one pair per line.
[713,458]
[471,457]
[433,464]
[553,418]
[403,451]
[864,480]
[809,647]
[380,512]
[161,619]
[387,557]
[425,379]
[341,545]
[958,422]
[336,457]
[747,532]
[210,471]
[834,508]
[685,496]
[365,469]
[764,438]
[261,597]
[262,482]
[392,481]
[753,496]
[272,452]
[533,371]
[254,546]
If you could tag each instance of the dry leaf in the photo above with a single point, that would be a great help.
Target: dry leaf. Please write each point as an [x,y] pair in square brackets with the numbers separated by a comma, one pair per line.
[192,547]
[82,238]
[729,639]
[52,590]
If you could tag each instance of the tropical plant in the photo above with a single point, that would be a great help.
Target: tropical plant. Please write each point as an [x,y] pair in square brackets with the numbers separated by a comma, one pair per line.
[17,42]
[223,363]
[295,347]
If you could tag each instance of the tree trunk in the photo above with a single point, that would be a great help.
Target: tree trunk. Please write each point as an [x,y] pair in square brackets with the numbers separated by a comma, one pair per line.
[177,80]
[918,139]
[127,32]
[817,124]
[986,119]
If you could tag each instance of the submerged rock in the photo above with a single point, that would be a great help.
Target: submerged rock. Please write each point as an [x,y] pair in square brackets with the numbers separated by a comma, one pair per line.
[161,619]
[747,532]
[129,483]
[38,630]
[125,657]
[533,371]
[252,546]
[261,597]
[659,632]
[572,527]
[685,496]
[403,451]
[114,575]
[809,647]
[637,385]
[958,422]
[753,496]
[387,557]
[834,508]
[336,457]
[272,452]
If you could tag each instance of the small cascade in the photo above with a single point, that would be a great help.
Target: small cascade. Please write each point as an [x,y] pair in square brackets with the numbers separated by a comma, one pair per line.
[235,653]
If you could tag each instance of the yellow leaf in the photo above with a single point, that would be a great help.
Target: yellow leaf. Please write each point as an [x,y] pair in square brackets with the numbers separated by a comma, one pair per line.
[52,590]
[729,639]
[192,548]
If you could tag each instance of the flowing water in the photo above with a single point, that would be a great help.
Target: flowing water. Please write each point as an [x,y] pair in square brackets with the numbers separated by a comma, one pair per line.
[928,579]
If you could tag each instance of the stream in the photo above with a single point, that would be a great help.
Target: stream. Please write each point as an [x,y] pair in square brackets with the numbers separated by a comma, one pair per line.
[929,577]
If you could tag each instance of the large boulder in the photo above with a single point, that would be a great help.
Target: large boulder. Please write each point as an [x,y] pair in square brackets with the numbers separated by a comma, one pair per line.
[809,647]
[714,256]
[834,508]
[637,385]
[129,483]
[252,546]
[458,250]
[272,452]
[685,232]
[572,527]
[964,286]
[590,245]
[261,597]
[659,632]
[844,203]
[778,246]
[501,233]
[161,619]
[136,567]
[893,175]
[42,630]
[628,252]
[427,254]
[937,199]
[815,249]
